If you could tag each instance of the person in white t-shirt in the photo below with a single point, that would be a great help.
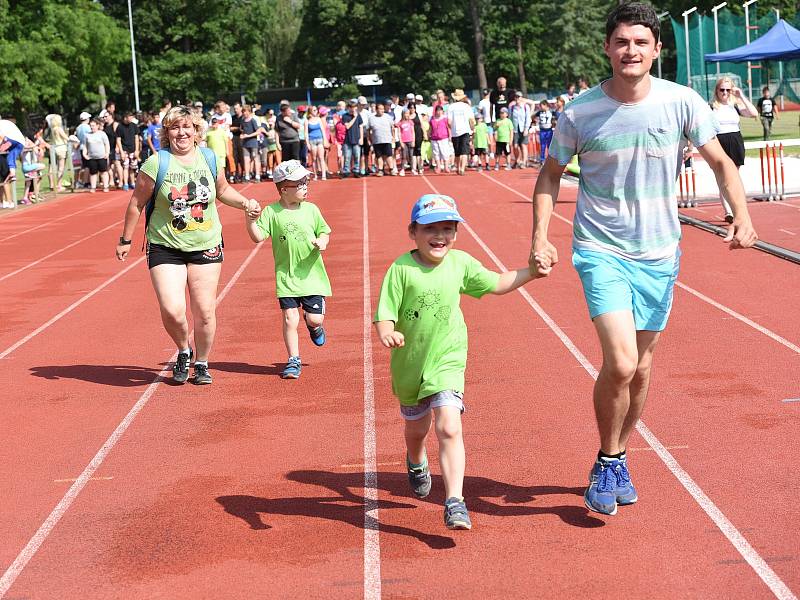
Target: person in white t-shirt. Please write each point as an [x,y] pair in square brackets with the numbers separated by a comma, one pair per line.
[462,124]
[485,107]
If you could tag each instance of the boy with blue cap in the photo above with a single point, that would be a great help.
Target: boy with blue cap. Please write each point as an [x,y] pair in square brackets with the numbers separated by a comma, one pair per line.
[419,317]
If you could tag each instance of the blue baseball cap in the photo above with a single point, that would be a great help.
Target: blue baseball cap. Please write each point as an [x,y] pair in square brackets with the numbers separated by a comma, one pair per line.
[432,208]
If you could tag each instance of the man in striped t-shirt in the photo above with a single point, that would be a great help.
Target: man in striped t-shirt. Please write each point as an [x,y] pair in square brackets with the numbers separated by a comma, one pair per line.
[628,133]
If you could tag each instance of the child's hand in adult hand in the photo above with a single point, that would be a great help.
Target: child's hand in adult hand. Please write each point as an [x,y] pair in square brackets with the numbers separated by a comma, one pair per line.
[252,209]
[539,266]
[394,339]
[320,243]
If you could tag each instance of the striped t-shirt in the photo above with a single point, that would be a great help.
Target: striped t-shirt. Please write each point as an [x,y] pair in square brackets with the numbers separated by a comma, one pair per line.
[630,156]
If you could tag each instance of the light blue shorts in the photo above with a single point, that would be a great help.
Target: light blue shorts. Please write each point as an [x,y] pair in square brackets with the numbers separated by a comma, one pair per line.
[437,400]
[612,283]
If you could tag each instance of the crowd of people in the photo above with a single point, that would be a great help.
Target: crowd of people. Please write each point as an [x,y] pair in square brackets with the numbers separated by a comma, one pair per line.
[353,138]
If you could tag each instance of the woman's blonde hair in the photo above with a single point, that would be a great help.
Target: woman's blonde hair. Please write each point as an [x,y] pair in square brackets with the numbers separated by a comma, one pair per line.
[179,113]
[715,103]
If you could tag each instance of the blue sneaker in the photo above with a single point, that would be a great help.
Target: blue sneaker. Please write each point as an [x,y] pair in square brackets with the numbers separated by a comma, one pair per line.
[317,335]
[601,495]
[456,515]
[626,493]
[293,368]
[125,187]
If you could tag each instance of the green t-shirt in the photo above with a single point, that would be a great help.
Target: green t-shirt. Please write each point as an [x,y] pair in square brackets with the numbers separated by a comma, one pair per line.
[217,140]
[503,130]
[299,270]
[424,303]
[185,215]
[481,139]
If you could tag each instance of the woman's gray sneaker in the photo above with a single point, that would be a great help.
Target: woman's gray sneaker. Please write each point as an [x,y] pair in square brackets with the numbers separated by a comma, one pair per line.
[180,370]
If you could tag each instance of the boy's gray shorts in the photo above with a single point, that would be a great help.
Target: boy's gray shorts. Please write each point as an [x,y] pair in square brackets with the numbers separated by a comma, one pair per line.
[444,398]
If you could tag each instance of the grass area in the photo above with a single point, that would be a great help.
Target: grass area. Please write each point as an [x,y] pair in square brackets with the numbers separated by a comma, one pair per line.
[785,126]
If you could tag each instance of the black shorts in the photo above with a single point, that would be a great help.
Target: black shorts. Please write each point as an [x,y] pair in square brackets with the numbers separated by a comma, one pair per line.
[97,165]
[3,168]
[164,255]
[313,305]
[417,149]
[461,145]
[733,145]
[382,150]
[84,163]
[480,151]
[501,148]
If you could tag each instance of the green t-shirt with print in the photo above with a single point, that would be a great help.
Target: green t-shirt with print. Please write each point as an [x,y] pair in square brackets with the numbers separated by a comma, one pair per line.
[299,270]
[185,215]
[424,303]
[503,130]
[481,139]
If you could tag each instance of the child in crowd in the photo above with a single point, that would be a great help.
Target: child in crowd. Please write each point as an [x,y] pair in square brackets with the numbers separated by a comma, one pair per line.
[480,142]
[299,236]
[420,319]
[545,119]
[217,139]
[406,131]
[504,131]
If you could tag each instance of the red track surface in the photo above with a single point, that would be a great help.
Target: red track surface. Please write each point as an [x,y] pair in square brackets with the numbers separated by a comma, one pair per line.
[254,486]
[776,222]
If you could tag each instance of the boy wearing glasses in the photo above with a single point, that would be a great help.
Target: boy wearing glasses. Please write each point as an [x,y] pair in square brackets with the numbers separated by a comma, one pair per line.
[299,236]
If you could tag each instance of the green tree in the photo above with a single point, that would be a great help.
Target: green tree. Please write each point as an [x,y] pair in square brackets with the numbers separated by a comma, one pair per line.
[580,31]
[55,55]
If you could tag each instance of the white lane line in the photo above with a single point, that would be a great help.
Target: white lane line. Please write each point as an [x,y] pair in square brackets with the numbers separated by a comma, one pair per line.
[52,520]
[372,546]
[749,322]
[69,309]
[791,400]
[51,221]
[787,231]
[62,249]
[758,564]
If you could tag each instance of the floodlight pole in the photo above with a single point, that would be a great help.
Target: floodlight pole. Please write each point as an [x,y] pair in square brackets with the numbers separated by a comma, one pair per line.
[716,30]
[746,6]
[661,16]
[780,62]
[133,57]
[686,14]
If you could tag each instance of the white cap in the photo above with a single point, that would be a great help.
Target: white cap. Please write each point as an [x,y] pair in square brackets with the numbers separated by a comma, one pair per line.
[418,98]
[409,96]
[362,100]
[291,170]
[103,113]
[84,116]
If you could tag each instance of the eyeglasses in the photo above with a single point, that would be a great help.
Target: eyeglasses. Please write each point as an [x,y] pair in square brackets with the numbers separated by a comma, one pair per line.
[724,90]
[302,183]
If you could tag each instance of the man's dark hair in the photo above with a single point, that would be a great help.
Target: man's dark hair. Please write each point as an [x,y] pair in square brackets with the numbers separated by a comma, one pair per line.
[633,13]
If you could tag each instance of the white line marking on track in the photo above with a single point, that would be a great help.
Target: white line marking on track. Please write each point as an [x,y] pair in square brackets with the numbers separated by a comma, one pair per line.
[52,520]
[74,479]
[758,564]
[62,249]
[787,231]
[791,400]
[667,447]
[69,309]
[772,335]
[372,546]
[51,221]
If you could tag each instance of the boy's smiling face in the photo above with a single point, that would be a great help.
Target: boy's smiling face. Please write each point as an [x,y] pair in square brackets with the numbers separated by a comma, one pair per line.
[433,240]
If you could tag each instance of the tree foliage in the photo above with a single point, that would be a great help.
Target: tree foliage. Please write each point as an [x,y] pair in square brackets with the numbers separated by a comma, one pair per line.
[54,56]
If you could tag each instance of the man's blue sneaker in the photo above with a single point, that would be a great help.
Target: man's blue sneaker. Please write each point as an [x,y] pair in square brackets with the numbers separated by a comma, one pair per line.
[293,367]
[317,335]
[601,494]
[626,493]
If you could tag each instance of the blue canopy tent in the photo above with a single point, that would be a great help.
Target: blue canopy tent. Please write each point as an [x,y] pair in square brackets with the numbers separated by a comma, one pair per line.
[782,42]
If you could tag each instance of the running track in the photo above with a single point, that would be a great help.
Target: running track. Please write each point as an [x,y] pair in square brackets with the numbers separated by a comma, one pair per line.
[115,484]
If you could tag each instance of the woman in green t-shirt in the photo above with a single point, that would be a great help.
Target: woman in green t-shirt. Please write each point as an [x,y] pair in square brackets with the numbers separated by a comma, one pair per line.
[184,236]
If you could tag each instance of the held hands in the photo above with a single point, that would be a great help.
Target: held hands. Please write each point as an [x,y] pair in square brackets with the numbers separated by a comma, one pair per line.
[252,209]
[320,243]
[543,258]
[393,339]
[740,234]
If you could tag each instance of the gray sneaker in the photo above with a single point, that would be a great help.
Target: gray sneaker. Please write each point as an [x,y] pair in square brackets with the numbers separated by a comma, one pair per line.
[419,480]
[201,375]
[180,370]
[456,515]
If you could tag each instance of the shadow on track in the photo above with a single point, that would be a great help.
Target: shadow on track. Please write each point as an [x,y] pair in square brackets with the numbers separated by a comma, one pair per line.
[347,506]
